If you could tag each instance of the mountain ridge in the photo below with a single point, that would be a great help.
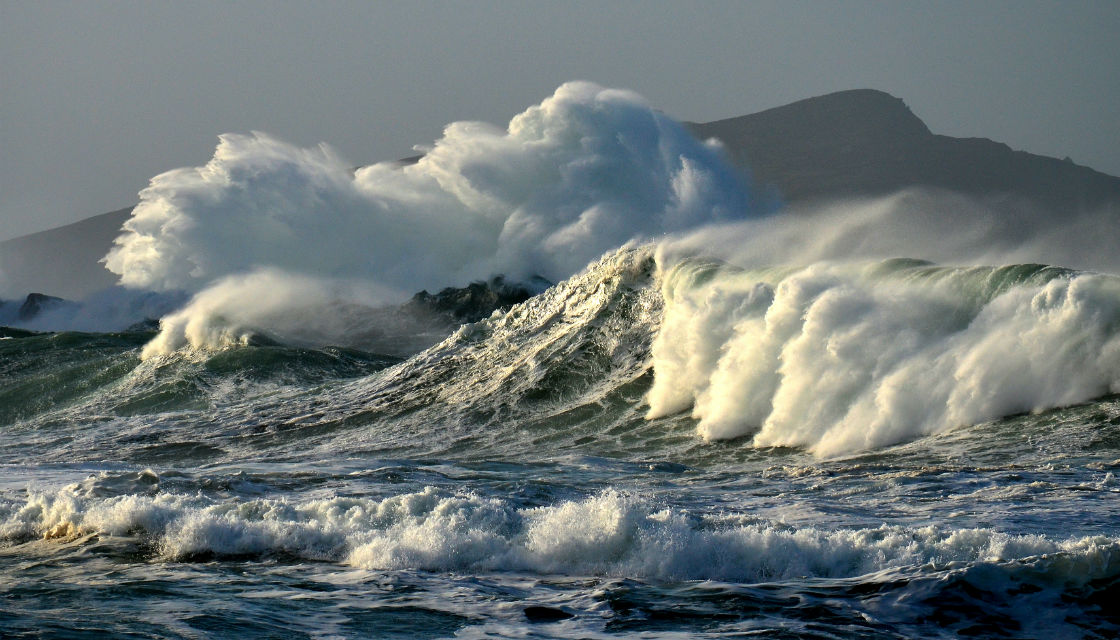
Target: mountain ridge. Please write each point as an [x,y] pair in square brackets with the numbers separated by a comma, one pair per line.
[63,261]
[865,142]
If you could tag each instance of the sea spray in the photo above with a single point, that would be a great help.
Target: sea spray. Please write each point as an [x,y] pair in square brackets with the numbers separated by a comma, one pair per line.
[919,222]
[844,358]
[583,172]
[610,533]
[294,309]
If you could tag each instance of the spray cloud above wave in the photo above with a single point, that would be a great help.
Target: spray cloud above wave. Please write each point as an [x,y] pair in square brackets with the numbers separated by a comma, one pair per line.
[583,172]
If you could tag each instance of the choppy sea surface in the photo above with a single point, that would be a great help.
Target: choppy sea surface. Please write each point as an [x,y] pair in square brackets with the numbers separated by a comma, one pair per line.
[890,450]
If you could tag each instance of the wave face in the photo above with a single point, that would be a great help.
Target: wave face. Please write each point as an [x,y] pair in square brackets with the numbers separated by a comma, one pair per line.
[848,358]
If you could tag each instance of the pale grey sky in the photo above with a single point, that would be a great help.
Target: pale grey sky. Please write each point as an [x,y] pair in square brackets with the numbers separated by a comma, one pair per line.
[97,97]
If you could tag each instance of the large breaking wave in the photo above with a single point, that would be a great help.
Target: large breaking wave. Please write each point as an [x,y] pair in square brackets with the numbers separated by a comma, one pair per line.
[833,358]
[842,358]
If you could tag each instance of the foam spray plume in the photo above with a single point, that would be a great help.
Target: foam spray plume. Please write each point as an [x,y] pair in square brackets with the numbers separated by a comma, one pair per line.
[581,173]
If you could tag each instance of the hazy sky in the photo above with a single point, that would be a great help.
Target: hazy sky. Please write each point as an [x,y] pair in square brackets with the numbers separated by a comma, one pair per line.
[97,97]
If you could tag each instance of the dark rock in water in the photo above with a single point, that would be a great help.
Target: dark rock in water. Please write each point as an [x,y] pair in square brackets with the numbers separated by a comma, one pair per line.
[538,613]
[428,318]
[37,303]
[475,301]
[145,325]
[12,332]
[263,340]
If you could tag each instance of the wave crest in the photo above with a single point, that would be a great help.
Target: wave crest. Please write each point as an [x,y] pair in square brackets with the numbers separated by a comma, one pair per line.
[848,358]
[610,533]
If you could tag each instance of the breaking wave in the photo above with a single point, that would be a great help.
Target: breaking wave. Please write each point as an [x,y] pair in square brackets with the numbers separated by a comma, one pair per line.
[611,533]
[835,359]
[843,358]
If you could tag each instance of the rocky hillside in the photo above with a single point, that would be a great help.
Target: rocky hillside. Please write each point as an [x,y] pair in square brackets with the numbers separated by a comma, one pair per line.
[867,142]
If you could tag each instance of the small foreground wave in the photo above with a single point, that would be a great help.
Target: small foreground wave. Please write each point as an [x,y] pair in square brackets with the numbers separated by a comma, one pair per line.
[606,534]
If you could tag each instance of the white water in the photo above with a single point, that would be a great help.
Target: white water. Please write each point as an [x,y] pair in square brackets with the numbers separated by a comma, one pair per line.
[611,533]
[840,359]
[581,173]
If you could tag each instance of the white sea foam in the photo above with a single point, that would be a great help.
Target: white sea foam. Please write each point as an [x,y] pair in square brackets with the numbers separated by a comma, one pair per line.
[583,172]
[847,358]
[294,308]
[610,533]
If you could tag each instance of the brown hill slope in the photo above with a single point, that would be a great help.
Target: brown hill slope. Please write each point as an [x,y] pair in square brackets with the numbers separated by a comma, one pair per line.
[61,261]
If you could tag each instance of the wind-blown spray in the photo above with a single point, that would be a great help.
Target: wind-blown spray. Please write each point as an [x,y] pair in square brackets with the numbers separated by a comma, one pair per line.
[583,172]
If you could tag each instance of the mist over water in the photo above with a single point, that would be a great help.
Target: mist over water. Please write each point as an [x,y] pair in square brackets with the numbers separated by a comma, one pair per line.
[112,309]
[921,223]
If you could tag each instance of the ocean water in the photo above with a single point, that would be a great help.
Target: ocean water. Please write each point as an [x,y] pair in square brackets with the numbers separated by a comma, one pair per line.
[723,420]
[654,447]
